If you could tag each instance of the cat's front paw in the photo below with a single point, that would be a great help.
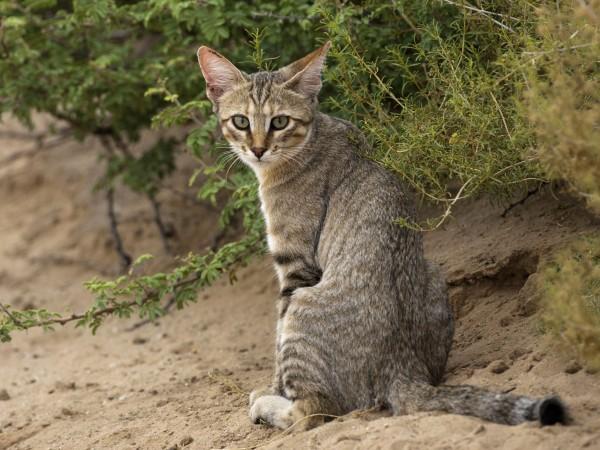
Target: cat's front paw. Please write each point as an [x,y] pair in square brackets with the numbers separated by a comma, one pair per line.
[272,410]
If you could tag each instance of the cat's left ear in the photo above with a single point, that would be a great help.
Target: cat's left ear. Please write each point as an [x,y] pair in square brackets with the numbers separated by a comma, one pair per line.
[220,74]
[304,75]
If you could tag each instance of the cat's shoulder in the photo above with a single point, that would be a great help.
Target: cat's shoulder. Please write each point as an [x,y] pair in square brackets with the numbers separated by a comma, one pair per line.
[344,132]
[335,123]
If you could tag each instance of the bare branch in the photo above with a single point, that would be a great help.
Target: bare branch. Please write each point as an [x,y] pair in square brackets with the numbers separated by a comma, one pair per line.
[271,15]
[114,229]
[165,234]
[562,49]
[485,13]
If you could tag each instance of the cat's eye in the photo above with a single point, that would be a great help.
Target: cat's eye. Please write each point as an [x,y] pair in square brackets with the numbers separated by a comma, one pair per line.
[240,122]
[279,122]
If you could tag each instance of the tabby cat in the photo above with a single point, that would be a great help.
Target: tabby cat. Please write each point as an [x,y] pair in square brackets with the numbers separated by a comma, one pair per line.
[363,318]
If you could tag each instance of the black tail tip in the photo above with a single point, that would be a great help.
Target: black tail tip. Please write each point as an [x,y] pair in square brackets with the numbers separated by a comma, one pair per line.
[551,410]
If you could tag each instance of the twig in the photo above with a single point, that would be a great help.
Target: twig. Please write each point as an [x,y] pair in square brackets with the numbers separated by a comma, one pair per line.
[520,202]
[501,115]
[373,73]
[169,305]
[485,13]
[562,49]
[456,198]
[150,296]
[410,22]
[123,255]
[165,311]
[271,15]
[9,314]
[162,229]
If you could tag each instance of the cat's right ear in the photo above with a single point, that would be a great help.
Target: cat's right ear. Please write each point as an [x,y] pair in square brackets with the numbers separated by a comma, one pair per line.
[304,75]
[220,74]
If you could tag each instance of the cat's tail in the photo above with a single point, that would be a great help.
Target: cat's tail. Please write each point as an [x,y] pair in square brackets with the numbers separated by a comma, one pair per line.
[408,397]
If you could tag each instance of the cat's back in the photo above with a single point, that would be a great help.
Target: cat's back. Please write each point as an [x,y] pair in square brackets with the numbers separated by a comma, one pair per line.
[365,202]
[361,186]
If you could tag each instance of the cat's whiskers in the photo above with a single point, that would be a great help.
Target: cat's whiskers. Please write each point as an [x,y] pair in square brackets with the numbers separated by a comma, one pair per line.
[227,157]
[232,165]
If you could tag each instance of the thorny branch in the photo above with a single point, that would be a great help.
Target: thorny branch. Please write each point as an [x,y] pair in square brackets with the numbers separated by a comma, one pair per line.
[172,301]
[150,297]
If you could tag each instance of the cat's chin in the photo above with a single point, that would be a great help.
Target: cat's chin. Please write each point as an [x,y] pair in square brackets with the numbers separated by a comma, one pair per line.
[257,165]
[261,165]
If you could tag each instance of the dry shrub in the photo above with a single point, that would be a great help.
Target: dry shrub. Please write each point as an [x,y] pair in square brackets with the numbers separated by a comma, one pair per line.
[563,99]
[571,299]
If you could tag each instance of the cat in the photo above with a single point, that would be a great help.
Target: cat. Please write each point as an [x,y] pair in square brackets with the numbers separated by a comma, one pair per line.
[363,317]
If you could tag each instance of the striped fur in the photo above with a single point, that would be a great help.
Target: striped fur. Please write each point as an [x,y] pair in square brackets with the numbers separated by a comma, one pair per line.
[363,319]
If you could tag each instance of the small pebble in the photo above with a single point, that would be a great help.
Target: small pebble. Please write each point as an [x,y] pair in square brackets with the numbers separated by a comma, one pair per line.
[67,412]
[517,353]
[138,340]
[479,429]
[186,441]
[62,386]
[573,367]
[4,395]
[498,366]
[538,357]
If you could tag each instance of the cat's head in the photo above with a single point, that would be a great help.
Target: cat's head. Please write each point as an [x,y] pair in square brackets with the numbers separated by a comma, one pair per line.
[267,116]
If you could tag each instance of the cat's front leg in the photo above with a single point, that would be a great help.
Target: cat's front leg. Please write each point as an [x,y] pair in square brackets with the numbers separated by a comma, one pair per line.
[260,392]
[276,387]
[280,412]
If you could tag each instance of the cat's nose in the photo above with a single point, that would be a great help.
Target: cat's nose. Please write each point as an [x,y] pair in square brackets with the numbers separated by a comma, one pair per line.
[258,151]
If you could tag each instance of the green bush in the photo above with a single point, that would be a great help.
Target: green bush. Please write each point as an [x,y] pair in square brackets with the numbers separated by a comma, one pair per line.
[435,85]
[563,99]
[570,284]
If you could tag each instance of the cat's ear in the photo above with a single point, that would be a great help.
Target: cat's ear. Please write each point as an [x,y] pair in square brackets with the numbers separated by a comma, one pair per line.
[304,75]
[220,74]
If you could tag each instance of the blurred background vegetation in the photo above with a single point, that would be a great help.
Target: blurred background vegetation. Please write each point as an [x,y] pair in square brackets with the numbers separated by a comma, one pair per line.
[458,98]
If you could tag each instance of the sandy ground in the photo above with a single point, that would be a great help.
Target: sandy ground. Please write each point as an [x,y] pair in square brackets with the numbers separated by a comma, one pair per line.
[184,382]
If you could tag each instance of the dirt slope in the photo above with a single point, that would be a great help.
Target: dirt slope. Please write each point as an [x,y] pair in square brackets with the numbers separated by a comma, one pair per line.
[184,381]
